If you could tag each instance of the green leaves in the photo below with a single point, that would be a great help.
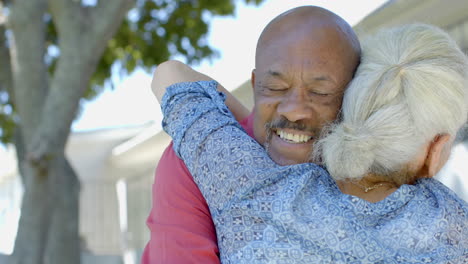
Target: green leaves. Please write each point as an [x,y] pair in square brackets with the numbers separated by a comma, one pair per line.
[153,31]
[7,121]
[157,30]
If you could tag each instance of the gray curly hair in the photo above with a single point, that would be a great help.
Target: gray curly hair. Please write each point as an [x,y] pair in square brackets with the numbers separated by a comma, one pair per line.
[411,86]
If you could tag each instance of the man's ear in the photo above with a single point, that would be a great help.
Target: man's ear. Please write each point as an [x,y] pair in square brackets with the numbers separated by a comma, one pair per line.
[437,154]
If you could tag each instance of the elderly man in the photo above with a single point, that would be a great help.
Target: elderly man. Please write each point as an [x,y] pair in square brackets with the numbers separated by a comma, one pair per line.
[304,60]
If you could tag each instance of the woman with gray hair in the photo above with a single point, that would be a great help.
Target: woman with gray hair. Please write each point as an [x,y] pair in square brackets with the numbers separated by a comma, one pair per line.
[378,203]
[401,112]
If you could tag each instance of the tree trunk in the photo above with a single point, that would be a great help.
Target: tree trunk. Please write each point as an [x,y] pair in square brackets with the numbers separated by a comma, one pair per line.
[34,219]
[64,226]
[48,231]
[28,70]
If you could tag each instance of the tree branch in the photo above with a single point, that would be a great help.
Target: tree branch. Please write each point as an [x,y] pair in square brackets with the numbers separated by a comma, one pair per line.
[66,14]
[81,46]
[29,72]
[118,11]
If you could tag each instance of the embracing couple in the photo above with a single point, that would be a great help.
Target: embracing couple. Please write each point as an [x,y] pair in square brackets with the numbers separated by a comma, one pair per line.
[333,165]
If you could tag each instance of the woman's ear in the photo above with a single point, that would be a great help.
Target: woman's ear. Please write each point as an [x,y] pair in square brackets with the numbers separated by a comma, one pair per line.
[438,154]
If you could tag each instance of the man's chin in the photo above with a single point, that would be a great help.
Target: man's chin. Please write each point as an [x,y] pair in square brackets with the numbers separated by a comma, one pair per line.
[284,159]
[284,153]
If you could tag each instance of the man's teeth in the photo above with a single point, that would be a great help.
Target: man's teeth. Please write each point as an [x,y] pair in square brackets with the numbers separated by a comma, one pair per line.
[293,137]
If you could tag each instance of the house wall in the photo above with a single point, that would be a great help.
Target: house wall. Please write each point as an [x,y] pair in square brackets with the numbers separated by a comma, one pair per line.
[139,205]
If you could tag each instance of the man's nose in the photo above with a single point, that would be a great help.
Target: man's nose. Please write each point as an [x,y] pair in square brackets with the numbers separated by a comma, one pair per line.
[296,106]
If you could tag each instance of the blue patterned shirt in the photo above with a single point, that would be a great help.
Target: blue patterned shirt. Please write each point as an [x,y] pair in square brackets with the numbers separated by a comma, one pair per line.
[266,213]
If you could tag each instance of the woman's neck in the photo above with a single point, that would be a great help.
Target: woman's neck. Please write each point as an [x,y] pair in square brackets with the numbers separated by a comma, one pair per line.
[372,188]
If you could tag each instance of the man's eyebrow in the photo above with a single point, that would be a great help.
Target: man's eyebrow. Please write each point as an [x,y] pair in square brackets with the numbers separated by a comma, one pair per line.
[275,73]
[311,79]
[320,78]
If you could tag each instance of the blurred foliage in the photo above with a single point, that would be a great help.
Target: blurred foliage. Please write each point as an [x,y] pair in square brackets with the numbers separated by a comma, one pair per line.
[156,30]
[152,32]
[7,119]
[7,114]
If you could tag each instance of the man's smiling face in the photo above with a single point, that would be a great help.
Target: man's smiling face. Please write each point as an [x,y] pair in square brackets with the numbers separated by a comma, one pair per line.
[298,82]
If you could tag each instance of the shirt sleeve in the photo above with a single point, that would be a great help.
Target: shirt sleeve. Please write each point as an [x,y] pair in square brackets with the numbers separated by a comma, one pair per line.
[225,162]
[180,224]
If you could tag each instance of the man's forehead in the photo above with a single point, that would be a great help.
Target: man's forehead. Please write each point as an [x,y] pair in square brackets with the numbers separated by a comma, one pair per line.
[313,45]
[321,56]
[288,74]
[280,59]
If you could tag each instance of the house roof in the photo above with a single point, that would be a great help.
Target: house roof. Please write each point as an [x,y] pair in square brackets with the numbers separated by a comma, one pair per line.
[450,15]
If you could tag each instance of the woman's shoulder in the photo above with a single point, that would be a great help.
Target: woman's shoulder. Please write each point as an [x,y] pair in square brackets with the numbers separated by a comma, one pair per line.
[437,218]
[442,203]
[434,189]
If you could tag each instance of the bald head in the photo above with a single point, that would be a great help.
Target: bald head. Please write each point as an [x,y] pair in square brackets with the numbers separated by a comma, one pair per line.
[306,23]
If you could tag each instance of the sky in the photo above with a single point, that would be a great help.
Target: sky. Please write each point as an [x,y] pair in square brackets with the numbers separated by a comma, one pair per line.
[235,37]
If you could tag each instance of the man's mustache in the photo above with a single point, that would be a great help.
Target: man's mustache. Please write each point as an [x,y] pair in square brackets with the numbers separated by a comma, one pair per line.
[283,123]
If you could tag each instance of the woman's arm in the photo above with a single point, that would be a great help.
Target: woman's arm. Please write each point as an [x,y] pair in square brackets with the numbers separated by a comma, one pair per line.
[172,72]
[224,161]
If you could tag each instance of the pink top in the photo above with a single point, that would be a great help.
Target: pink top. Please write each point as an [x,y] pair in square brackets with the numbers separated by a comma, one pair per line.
[180,222]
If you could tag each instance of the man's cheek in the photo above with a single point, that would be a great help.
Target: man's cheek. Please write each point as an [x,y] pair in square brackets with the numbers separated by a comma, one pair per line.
[260,132]
[327,113]
[261,118]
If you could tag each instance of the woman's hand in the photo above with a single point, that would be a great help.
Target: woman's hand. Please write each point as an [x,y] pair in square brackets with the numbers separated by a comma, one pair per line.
[172,72]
